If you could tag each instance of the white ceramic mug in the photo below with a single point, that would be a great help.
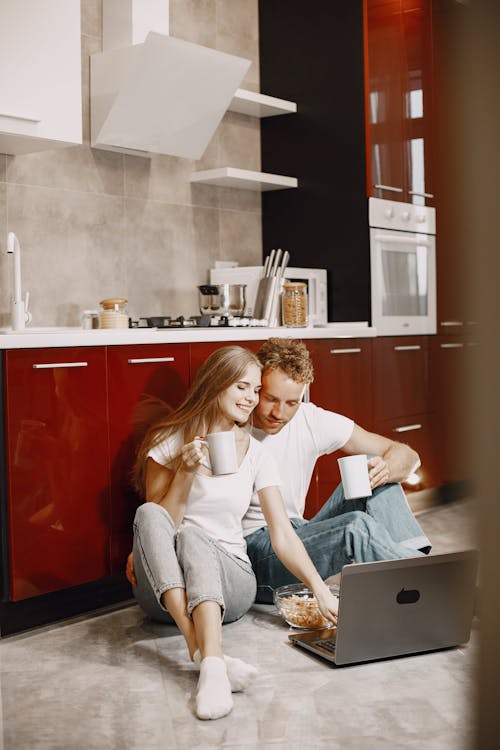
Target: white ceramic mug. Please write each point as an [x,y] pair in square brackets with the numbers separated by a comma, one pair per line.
[355,477]
[222,452]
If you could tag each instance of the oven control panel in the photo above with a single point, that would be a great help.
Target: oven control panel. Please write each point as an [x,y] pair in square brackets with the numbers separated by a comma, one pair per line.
[404,217]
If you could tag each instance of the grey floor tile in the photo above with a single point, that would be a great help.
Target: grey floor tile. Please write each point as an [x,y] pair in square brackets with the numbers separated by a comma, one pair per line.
[118,681]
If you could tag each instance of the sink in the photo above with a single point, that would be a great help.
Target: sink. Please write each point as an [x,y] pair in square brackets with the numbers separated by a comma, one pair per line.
[41,329]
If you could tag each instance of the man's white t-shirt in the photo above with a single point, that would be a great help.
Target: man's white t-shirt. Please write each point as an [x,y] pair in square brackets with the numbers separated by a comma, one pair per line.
[311,433]
[217,504]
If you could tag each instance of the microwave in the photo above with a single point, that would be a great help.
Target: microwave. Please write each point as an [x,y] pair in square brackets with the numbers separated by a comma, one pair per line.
[314,278]
[403,267]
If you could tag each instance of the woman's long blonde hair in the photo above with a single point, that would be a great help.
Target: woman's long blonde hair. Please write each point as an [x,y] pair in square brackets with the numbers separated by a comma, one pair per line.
[200,409]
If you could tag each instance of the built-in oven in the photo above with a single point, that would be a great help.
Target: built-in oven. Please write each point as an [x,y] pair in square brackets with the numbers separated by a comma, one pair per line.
[403,267]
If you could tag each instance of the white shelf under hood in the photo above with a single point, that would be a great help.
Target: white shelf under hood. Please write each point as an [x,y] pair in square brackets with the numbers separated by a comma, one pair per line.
[260,105]
[244,179]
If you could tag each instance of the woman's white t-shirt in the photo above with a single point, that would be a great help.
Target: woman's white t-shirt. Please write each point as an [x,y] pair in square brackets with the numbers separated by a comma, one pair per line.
[217,504]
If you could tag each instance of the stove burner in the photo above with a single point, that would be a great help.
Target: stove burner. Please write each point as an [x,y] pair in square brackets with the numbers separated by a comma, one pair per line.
[195,321]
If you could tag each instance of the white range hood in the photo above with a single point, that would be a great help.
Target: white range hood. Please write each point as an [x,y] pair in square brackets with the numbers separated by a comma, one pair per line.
[162,95]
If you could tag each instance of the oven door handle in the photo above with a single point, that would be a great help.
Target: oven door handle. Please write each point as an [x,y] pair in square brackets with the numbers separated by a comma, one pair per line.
[401,240]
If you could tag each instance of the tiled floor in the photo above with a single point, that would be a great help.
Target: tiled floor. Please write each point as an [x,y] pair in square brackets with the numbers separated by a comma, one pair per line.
[117,681]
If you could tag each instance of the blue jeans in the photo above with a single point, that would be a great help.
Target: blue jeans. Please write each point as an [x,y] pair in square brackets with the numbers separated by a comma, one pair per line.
[166,558]
[380,527]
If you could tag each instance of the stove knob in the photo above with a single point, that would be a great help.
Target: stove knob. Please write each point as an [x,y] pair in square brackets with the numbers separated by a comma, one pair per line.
[389,212]
[420,218]
[405,216]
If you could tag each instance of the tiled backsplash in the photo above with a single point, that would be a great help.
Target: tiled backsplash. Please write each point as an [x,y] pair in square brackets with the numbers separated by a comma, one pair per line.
[95,224]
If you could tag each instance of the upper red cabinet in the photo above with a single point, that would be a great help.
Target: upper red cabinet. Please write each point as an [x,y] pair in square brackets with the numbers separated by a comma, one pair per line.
[399,100]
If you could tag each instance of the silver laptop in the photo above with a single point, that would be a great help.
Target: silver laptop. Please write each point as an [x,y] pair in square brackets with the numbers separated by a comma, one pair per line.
[397,608]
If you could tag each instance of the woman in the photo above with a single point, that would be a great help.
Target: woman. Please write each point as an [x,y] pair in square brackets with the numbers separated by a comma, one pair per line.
[189,553]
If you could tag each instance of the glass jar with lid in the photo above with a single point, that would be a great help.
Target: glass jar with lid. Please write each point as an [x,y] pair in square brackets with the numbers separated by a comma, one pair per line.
[294,304]
[114,313]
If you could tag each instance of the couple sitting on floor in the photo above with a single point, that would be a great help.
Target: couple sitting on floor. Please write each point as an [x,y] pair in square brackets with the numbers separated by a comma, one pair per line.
[206,547]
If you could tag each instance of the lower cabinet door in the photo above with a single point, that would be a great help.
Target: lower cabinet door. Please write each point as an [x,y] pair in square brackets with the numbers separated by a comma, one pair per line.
[57,468]
[418,431]
[135,372]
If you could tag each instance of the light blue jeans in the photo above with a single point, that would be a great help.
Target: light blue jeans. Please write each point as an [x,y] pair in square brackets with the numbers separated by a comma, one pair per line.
[380,527]
[166,558]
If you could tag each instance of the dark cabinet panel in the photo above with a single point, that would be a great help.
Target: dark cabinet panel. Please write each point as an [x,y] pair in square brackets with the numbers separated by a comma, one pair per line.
[400,100]
[57,468]
[400,377]
[135,372]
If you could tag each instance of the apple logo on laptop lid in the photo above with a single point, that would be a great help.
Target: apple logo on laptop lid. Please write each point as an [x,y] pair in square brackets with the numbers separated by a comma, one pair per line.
[408,596]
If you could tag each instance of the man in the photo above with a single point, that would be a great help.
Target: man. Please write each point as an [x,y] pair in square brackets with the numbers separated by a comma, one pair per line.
[375,528]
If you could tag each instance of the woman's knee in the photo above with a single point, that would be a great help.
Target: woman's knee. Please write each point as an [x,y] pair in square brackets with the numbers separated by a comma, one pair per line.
[151,513]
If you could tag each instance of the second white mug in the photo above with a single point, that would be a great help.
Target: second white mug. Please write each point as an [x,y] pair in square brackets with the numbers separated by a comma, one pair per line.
[355,477]
[222,452]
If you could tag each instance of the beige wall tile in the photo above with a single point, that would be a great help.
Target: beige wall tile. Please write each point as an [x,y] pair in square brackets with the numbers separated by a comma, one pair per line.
[90,46]
[91,17]
[73,168]
[72,250]
[195,21]
[240,237]
[3,167]
[4,264]
[169,251]
[240,142]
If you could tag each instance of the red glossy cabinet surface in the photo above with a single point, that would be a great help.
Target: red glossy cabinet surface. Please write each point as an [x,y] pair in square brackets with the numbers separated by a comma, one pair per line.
[400,377]
[342,383]
[452,363]
[399,100]
[57,468]
[158,370]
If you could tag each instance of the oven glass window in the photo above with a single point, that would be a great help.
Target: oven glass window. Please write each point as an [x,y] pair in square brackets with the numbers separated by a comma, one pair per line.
[404,280]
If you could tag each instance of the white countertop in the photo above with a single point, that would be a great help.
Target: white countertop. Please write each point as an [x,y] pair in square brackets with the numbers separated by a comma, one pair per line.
[80,337]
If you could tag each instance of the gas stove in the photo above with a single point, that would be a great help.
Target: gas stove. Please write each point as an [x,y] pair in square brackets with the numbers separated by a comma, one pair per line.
[195,321]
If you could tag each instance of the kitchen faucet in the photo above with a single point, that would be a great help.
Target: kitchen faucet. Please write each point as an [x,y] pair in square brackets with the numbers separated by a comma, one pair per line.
[18,306]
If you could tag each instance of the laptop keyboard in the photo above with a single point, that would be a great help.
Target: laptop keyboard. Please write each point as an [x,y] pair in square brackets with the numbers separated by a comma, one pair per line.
[327,645]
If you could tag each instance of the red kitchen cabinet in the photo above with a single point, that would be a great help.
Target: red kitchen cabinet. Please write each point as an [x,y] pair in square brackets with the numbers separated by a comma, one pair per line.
[399,100]
[158,370]
[57,468]
[342,383]
[451,365]
[418,431]
[400,377]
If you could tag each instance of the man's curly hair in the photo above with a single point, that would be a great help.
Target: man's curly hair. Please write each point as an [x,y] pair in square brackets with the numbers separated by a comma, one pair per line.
[289,355]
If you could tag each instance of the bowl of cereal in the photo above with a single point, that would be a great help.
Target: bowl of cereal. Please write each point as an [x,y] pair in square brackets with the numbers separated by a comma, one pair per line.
[298,606]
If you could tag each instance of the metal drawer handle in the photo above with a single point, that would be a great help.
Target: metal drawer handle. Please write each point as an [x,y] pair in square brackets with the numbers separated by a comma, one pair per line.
[451,323]
[389,187]
[451,346]
[422,195]
[53,365]
[345,351]
[409,348]
[150,359]
[408,428]
[28,118]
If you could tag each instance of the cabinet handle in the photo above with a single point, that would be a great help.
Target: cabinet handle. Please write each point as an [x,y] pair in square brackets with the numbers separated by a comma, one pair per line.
[407,428]
[345,351]
[451,323]
[389,187]
[53,365]
[150,359]
[422,195]
[408,348]
[451,346]
[28,118]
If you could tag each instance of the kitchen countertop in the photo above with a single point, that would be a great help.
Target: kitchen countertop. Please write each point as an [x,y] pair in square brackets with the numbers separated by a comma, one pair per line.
[79,337]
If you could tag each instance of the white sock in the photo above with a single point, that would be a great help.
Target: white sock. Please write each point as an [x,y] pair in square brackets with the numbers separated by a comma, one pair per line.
[213,698]
[239,672]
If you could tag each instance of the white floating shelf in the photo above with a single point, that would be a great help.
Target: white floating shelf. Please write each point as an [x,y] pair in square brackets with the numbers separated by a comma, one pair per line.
[260,105]
[244,179]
